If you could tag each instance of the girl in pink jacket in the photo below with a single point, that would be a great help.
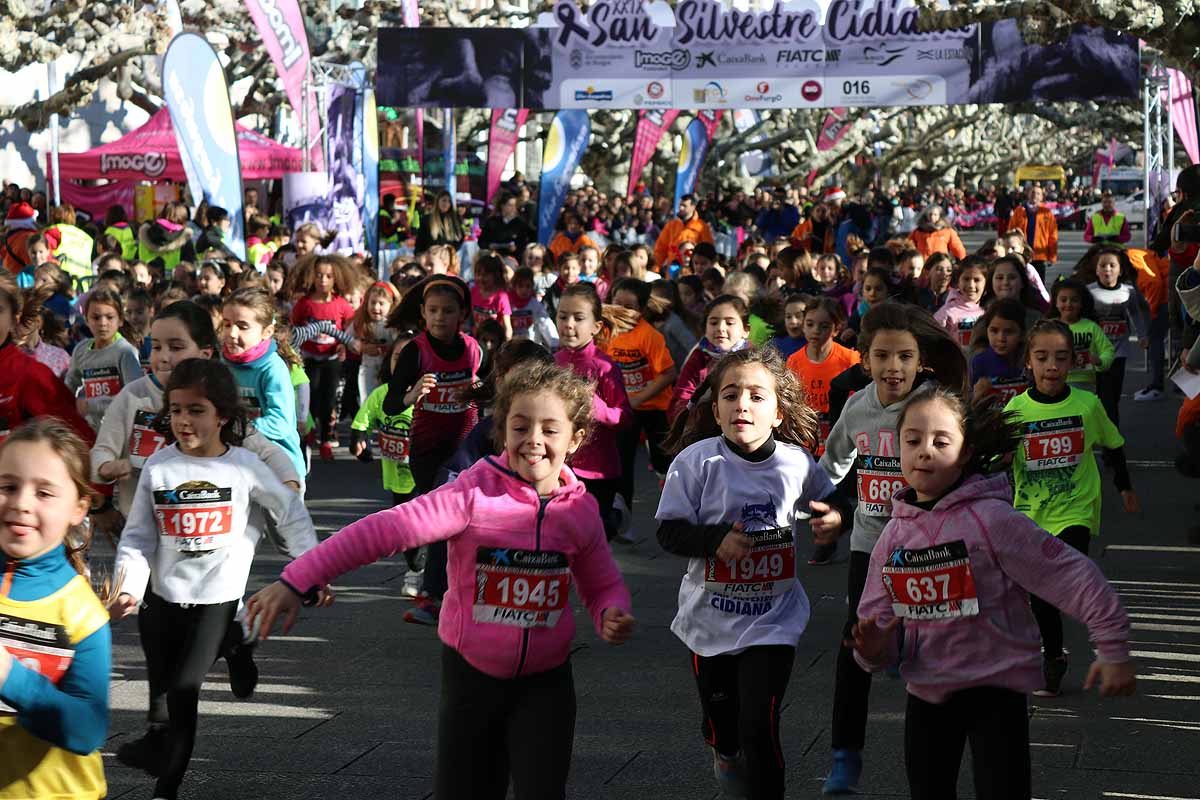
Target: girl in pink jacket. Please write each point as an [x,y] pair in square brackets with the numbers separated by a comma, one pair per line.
[520,529]
[726,330]
[962,308]
[598,462]
[956,564]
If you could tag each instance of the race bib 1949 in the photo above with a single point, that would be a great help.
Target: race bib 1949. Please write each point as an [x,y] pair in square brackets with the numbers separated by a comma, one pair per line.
[1053,443]
[522,588]
[879,478]
[39,646]
[931,583]
[101,382]
[194,518]
[144,441]
[768,570]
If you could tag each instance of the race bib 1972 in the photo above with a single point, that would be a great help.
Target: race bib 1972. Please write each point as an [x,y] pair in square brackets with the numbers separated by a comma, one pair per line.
[194,519]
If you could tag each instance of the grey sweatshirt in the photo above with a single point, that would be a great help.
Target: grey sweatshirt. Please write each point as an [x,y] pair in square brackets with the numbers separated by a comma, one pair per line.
[1119,311]
[99,375]
[866,434]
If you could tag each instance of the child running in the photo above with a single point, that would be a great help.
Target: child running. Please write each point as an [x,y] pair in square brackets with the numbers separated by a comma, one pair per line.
[598,462]
[998,369]
[726,330]
[529,318]
[1120,308]
[489,295]
[521,528]
[956,565]
[186,550]
[1056,479]
[370,327]
[897,344]
[962,310]
[821,359]
[793,324]
[732,503]
[55,643]
[1092,351]
[103,365]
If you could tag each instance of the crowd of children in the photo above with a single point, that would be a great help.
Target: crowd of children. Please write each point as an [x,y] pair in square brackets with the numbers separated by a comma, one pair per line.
[783,400]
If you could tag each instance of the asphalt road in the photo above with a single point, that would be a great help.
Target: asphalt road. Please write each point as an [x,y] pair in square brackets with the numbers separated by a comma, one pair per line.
[347,703]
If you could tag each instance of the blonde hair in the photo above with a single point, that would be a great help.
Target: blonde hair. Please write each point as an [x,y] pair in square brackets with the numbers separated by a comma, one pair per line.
[534,377]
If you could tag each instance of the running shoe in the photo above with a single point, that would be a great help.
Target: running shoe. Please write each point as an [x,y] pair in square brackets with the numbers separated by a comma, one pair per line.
[243,672]
[425,612]
[146,753]
[728,772]
[624,517]
[1053,672]
[847,769]
[1149,393]
[413,581]
[327,451]
[823,555]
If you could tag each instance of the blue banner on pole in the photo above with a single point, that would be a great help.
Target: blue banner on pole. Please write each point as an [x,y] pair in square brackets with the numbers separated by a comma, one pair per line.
[569,133]
[691,159]
[370,170]
[450,151]
[198,99]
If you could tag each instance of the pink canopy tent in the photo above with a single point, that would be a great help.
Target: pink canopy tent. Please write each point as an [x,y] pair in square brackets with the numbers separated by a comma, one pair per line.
[151,154]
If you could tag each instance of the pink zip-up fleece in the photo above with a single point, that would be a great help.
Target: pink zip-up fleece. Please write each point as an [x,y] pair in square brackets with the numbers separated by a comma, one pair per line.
[1010,557]
[599,457]
[488,516]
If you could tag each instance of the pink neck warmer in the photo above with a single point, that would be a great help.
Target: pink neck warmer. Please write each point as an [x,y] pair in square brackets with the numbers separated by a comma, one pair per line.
[253,354]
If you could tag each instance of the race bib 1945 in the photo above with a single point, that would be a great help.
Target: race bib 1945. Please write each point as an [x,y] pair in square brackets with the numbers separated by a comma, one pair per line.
[521,588]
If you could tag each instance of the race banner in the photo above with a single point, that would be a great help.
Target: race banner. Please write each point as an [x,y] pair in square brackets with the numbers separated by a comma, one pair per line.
[650,129]
[345,183]
[449,153]
[835,126]
[281,26]
[198,100]
[691,159]
[565,144]
[707,55]
[502,142]
[370,169]
[412,17]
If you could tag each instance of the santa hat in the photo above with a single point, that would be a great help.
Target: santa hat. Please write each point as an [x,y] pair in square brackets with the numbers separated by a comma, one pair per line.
[21,215]
[834,193]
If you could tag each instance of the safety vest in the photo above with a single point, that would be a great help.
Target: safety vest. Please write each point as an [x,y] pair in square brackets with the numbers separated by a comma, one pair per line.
[395,237]
[169,258]
[260,254]
[124,235]
[74,250]
[1111,228]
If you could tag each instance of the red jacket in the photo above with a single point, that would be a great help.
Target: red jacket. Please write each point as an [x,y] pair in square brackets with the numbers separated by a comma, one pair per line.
[29,389]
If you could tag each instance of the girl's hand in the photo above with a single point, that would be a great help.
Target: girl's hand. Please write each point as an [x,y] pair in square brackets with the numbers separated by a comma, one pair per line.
[325,596]
[267,604]
[870,638]
[981,387]
[1116,680]
[736,545]
[420,389]
[355,346]
[1129,499]
[616,626]
[116,470]
[826,522]
[122,606]
[1093,359]
[357,448]
[293,485]
[81,405]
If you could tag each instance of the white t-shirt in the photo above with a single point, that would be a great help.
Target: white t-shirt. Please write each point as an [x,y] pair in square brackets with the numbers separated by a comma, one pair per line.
[725,607]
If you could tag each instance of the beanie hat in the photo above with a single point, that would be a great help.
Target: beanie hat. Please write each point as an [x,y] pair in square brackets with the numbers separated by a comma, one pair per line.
[21,215]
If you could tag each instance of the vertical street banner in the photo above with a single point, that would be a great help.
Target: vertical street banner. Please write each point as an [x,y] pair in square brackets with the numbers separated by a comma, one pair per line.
[502,142]
[651,126]
[449,152]
[412,17]
[565,145]
[419,124]
[754,163]
[198,100]
[1183,112]
[174,17]
[711,120]
[281,26]
[833,129]
[345,183]
[370,169]
[691,158]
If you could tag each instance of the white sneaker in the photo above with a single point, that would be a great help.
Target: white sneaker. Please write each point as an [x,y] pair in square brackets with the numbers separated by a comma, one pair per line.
[1149,393]
[413,582]
[624,515]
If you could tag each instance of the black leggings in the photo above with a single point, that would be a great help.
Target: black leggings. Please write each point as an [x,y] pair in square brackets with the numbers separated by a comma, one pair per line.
[994,720]
[1108,388]
[605,491]
[656,427]
[181,644]
[852,688]
[492,728]
[323,377]
[741,696]
[1049,619]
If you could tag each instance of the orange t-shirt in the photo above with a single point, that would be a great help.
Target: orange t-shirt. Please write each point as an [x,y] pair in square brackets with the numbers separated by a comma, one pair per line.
[642,356]
[815,378]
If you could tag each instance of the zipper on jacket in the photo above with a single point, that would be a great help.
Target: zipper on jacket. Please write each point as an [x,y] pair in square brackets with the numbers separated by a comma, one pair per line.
[537,545]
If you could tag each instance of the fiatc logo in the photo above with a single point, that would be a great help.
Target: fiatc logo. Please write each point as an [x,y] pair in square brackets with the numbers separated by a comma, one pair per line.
[762,94]
[593,95]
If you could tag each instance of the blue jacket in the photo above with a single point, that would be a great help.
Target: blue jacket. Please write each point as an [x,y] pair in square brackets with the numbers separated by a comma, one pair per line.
[266,387]
[778,224]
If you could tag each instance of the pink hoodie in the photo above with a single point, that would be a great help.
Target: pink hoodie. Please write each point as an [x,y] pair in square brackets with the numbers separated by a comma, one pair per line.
[958,316]
[500,534]
[1010,557]
[599,456]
